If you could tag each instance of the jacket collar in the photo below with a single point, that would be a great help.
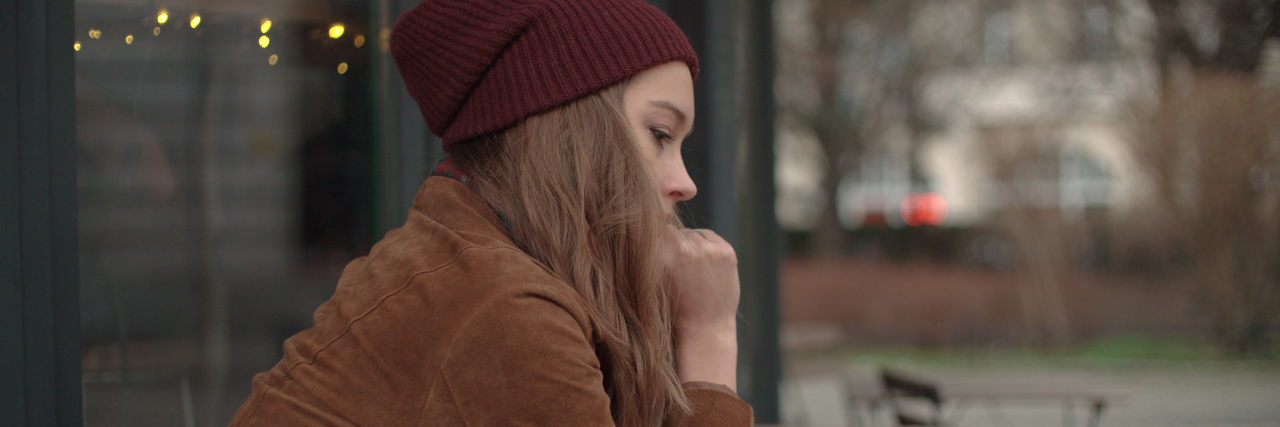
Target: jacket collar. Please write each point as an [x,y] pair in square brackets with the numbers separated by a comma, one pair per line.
[457,207]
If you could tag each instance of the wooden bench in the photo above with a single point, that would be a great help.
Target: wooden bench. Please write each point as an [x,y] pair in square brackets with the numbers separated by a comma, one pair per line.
[959,394]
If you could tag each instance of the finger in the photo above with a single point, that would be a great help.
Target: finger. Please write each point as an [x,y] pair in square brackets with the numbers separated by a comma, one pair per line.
[677,233]
[698,232]
[709,236]
[712,243]
[681,239]
[714,237]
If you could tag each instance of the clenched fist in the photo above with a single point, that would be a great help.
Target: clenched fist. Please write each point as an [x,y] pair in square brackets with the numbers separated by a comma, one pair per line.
[702,270]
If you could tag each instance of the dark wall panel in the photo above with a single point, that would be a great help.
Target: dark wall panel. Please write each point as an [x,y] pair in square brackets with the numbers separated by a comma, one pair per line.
[39,307]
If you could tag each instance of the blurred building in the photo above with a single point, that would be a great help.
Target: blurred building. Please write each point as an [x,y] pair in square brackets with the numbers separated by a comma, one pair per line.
[1035,114]
[1081,148]
[989,104]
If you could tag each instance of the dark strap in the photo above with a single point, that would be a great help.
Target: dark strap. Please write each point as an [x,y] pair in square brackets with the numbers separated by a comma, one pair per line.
[448,169]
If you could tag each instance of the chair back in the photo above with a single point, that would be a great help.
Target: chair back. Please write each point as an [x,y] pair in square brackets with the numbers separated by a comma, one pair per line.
[898,386]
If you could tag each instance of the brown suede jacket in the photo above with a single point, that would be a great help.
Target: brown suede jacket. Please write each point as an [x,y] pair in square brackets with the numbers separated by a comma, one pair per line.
[446,322]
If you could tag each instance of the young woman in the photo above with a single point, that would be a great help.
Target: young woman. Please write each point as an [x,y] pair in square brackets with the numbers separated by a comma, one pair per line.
[542,277]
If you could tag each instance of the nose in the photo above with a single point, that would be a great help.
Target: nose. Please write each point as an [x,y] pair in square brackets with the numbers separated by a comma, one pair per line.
[677,185]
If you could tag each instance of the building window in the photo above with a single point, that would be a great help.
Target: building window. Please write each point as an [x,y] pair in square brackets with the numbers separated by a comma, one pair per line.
[997,38]
[1097,31]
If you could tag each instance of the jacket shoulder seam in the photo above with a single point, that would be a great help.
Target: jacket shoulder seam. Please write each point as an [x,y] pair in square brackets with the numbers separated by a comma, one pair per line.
[442,373]
[347,329]
[452,398]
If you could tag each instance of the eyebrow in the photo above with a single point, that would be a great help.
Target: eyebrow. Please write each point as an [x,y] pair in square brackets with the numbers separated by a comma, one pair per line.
[662,103]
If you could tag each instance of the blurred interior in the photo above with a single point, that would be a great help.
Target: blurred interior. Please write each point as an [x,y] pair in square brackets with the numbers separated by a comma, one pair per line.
[225,179]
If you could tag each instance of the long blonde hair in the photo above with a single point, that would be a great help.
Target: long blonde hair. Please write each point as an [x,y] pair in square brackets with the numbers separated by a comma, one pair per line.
[578,196]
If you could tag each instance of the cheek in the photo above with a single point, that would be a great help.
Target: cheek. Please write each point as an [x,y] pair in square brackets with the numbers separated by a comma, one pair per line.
[648,150]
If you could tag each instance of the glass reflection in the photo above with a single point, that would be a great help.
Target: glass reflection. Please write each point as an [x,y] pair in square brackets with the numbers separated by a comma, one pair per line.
[219,196]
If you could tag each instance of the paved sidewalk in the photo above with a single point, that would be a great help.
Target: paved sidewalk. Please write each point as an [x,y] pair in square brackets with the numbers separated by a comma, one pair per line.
[1180,397]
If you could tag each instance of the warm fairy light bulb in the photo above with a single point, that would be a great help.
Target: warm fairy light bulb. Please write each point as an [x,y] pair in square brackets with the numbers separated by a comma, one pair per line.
[342,68]
[95,33]
[266,26]
[163,16]
[77,46]
[128,39]
[195,20]
[264,41]
[272,60]
[359,41]
[155,31]
[336,31]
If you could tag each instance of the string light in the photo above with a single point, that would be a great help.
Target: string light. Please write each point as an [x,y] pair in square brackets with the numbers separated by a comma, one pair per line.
[336,30]
[77,46]
[266,25]
[359,41]
[163,17]
[264,41]
[155,31]
[195,20]
[342,68]
[95,33]
[128,39]
[272,59]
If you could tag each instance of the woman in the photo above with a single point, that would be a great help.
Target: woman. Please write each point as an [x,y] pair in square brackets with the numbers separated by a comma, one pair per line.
[542,277]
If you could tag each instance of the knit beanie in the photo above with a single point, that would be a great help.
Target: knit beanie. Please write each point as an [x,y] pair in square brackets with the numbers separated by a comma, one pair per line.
[481,66]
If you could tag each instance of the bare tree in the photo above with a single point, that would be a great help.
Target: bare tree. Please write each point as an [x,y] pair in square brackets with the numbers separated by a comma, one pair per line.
[863,74]
[1212,149]
[1023,162]
[1214,36]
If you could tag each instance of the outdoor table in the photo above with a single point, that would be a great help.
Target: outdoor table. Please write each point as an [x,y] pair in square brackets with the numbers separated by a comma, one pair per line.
[960,393]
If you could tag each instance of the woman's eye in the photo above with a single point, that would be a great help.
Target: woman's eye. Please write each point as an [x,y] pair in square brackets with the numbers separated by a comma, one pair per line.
[659,135]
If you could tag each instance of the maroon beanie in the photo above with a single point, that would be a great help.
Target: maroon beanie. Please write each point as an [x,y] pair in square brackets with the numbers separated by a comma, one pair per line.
[477,67]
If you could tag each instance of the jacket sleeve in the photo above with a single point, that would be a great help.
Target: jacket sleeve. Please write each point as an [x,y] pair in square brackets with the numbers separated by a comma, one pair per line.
[526,361]
[713,405]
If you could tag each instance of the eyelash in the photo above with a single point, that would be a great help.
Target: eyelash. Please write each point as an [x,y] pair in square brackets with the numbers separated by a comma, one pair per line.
[661,136]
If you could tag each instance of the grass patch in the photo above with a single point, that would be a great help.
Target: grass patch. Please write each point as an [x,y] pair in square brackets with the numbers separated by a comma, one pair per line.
[1136,347]
[1117,352]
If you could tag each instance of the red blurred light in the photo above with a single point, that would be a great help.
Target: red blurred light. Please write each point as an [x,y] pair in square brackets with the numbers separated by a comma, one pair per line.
[924,209]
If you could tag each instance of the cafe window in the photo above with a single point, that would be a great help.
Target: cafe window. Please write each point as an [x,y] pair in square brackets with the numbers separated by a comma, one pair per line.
[227,172]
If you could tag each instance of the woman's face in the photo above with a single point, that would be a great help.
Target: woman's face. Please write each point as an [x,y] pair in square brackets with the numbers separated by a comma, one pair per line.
[659,108]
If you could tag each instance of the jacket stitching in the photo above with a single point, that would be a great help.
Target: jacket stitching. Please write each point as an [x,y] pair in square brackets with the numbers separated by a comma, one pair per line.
[448,356]
[453,398]
[288,373]
[347,329]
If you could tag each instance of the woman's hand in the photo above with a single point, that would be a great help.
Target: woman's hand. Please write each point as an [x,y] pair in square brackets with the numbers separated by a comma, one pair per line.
[702,270]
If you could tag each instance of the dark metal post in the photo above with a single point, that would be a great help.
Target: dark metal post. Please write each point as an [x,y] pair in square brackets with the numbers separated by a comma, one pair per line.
[39,288]
[759,256]
[719,113]
[730,158]
[709,152]
[691,16]
[405,151]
